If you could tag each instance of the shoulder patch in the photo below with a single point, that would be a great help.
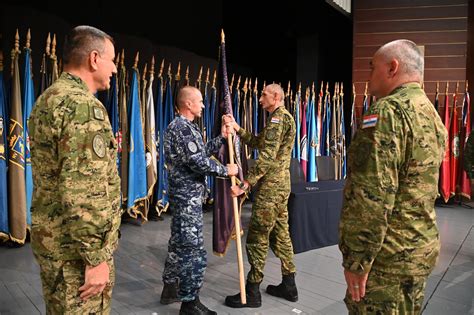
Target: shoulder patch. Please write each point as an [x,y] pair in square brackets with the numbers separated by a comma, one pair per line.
[98,145]
[192,147]
[369,121]
[98,113]
[275,120]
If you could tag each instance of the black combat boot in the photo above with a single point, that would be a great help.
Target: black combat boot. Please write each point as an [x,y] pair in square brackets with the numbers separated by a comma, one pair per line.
[170,293]
[286,289]
[252,292]
[195,307]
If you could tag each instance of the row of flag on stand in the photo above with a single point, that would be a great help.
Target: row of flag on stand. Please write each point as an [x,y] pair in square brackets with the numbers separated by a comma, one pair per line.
[140,107]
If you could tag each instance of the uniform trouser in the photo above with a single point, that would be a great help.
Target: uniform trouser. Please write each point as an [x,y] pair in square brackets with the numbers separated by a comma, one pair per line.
[389,294]
[187,258]
[61,282]
[269,228]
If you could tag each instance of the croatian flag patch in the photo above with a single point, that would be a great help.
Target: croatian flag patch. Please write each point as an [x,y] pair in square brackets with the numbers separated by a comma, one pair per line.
[369,121]
[275,120]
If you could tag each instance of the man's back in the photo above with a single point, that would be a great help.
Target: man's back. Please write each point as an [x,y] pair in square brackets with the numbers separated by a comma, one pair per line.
[395,167]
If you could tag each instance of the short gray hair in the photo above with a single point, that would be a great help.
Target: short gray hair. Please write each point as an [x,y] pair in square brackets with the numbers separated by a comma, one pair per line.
[408,55]
[276,88]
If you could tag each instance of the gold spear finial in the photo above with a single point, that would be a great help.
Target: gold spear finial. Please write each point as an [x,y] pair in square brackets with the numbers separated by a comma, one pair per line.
[366,87]
[200,75]
[28,39]
[312,87]
[250,84]
[222,36]
[321,88]
[207,75]
[437,86]
[256,84]
[48,44]
[457,88]
[135,65]
[214,78]
[169,70]
[17,41]
[299,88]
[447,88]
[467,84]
[117,59]
[238,83]
[53,46]
[177,77]
[144,72]
[244,88]
[122,58]
[342,88]
[264,85]
[152,67]
[327,87]
[288,89]
[162,66]
[231,82]
[186,75]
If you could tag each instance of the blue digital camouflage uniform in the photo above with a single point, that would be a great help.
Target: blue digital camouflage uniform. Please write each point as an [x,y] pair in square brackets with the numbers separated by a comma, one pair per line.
[269,222]
[388,222]
[188,162]
[76,198]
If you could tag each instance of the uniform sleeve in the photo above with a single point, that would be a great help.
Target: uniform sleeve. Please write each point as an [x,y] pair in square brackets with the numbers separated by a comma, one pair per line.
[270,138]
[85,180]
[369,195]
[213,146]
[195,156]
[249,139]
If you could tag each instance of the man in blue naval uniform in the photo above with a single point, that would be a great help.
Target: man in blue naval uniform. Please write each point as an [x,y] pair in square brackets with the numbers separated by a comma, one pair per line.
[188,161]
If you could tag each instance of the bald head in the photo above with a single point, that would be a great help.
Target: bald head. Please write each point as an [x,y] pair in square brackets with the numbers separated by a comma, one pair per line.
[186,93]
[409,57]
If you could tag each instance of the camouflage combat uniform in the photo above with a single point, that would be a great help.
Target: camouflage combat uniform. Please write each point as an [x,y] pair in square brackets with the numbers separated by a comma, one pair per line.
[388,222]
[269,221]
[76,198]
[188,161]
[468,156]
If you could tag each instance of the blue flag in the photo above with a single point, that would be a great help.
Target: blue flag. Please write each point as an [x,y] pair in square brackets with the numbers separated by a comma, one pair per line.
[255,116]
[137,186]
[28,100]
[312,173]
[160,189]
[4,230]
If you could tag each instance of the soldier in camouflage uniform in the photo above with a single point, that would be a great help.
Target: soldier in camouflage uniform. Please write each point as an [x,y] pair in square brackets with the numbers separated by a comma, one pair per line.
[188,161]
[468,156]
[269,221]
[387,233]
[76,198]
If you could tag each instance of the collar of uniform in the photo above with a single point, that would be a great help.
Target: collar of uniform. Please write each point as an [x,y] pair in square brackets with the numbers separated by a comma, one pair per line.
[188,122]
[74,80]
[410,85]
[277,110]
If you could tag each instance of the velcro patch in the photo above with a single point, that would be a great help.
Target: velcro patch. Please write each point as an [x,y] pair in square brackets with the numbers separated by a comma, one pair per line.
[98,113]
[192,147]
[369,121]
[275,120]
[98,144]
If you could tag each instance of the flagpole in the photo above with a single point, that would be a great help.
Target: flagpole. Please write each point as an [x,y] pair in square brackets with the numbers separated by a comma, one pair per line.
[243,295]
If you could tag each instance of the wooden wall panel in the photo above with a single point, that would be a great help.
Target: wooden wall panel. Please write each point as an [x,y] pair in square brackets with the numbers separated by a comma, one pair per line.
[441,26]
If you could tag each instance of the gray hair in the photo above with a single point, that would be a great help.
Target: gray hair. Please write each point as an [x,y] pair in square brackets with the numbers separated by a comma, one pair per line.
[276,88]
[408,55]
[80,41]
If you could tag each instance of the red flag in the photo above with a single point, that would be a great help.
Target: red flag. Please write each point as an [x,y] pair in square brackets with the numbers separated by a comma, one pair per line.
[444,172]
[454,144]
[464,182]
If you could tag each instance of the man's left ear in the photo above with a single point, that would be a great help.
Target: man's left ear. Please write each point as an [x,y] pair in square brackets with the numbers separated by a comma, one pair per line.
[93,58]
